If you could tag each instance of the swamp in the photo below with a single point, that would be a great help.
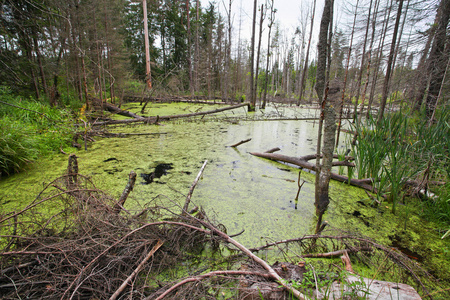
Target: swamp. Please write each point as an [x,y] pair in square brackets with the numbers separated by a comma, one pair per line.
[190,150]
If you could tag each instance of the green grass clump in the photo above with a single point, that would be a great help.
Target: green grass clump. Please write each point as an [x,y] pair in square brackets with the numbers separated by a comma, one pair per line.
[29,129]
[405,147]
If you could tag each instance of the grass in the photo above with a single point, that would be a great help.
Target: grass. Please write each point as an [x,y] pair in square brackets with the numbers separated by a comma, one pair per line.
[29,129]
[402,147]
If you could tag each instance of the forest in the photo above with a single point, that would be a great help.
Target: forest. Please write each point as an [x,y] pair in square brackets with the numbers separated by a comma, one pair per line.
[78,77]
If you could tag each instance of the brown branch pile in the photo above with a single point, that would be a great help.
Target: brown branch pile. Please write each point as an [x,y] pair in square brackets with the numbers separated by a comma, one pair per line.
[69,243]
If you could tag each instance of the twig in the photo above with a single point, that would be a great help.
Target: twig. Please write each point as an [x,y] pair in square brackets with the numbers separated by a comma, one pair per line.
[299,185]
[240,143]
[136,271]
[191,190]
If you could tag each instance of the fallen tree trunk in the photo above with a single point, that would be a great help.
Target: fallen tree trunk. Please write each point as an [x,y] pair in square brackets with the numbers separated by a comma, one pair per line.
[166,118]
[112,108]
[303,163]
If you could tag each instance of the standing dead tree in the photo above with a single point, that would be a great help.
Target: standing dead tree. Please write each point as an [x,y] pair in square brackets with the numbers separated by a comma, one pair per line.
[328,116]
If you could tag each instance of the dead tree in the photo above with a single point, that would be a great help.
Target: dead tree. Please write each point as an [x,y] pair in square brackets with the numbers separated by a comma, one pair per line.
[305,68]
[387,78]
[328,116]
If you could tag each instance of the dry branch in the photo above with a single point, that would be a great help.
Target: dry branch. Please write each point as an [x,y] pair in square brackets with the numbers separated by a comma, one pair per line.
[255,258]
[241,142]
[191,190]
[136,271]
[210,274]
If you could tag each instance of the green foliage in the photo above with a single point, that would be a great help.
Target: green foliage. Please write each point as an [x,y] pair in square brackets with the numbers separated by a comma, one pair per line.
[29,129]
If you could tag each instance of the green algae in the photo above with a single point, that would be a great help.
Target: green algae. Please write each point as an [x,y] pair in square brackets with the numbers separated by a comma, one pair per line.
[237,190]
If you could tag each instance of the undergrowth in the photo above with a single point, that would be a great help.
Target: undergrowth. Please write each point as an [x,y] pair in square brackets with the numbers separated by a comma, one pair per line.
[28,130]
[406,148]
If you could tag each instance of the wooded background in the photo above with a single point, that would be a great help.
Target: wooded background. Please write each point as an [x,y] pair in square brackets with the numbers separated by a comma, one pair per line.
[64,51]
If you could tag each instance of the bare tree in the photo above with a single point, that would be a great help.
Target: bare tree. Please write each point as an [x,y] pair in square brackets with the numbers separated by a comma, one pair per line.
[349,54]
[252,60]
[327,115]
[387,78]
[266,79]
[439,55]
[305,68]
[261,20]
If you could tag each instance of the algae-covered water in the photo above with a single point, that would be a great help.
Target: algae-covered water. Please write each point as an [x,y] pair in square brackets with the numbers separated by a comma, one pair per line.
[238,190]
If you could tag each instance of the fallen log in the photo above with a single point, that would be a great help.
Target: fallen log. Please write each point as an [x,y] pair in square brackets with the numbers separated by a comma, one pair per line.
[301,162]
[166,118]
[112,108]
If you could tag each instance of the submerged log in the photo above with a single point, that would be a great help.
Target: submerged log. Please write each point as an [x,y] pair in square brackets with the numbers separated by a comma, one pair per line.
[166,118]
[301,162]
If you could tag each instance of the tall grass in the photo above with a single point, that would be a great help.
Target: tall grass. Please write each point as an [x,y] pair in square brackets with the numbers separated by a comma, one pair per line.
[401,147]
[30,131]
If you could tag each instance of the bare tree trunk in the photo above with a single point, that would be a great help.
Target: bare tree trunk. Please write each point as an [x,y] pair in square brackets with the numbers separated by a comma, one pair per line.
[419,85]
[228,54]
[349,54]
[361,70]
[305,68]
[266,79]
[189,61]
[437,61]
[379,56]
[148,72]
[369,55]
[252,59]
[328,115]
[41,67]
[261,20]
[387,78]
[197,51]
